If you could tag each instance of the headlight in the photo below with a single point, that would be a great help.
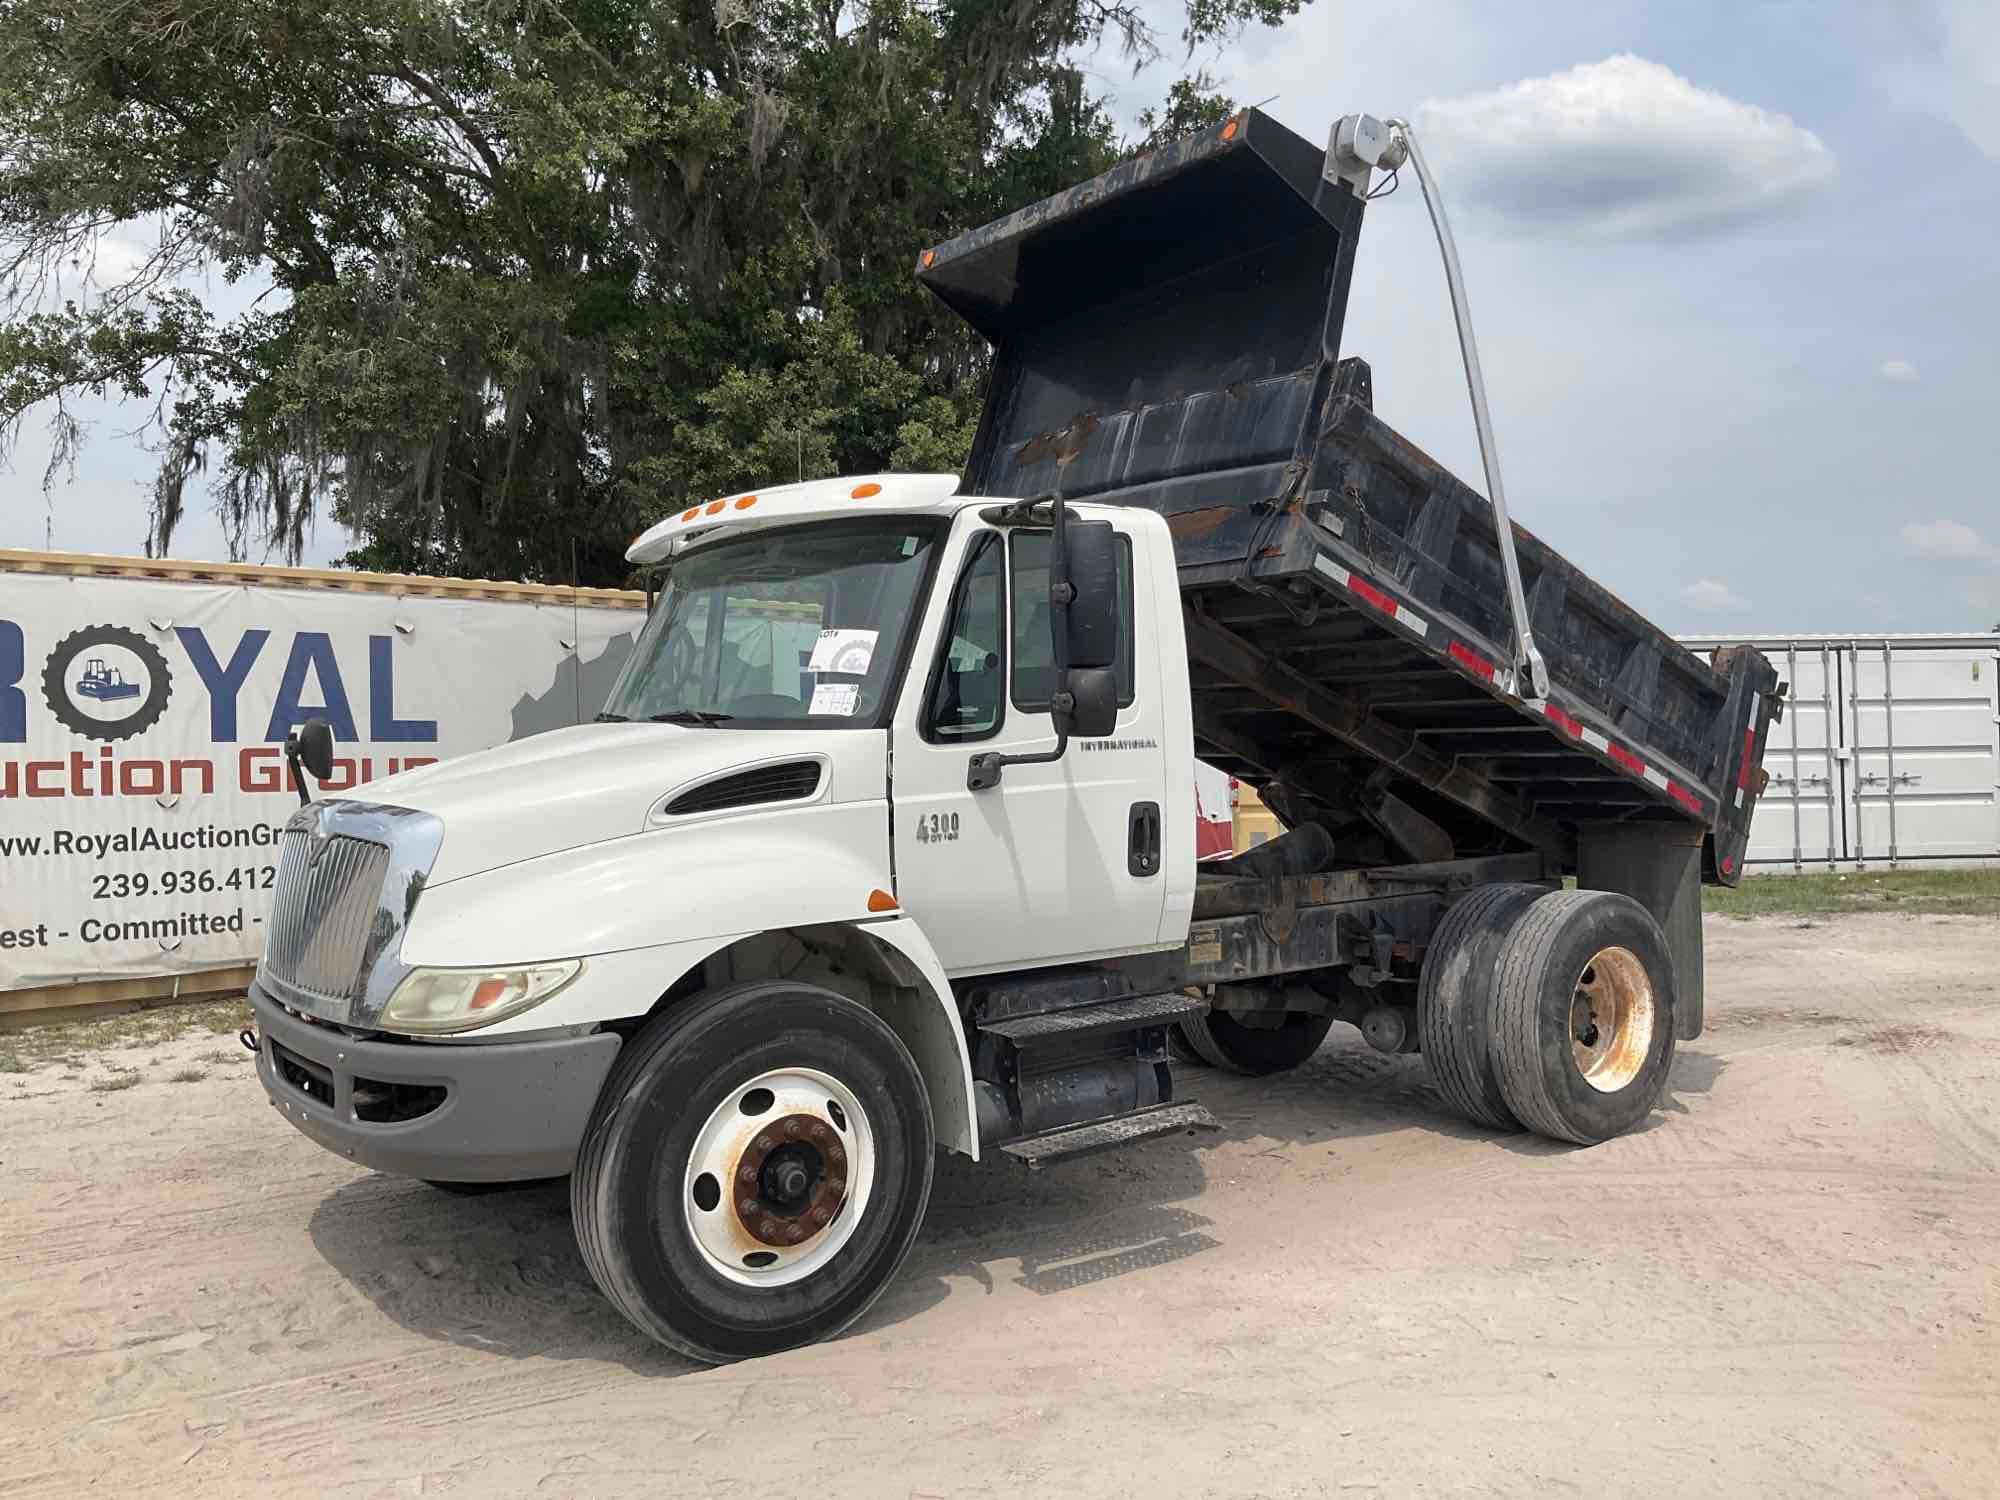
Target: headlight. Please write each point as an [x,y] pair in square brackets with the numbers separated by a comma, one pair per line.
[460,999]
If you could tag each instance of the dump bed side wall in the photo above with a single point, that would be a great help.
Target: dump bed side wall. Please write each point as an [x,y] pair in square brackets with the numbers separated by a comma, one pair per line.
[1167,335]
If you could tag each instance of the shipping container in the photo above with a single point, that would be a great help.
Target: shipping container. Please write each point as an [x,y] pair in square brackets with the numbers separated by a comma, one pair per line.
[1889,753]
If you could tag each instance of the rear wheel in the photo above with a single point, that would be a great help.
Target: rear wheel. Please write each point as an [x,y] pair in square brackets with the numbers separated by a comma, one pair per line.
[1583,1027]
[1222,1041]
[1455,1001]
[755,1171]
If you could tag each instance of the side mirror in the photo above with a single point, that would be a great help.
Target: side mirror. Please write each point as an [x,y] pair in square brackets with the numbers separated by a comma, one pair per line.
[1093,710]
[311,744]
[1090,551]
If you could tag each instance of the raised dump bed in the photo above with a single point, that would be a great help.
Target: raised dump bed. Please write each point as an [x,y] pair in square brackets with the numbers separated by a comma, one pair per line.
[1168,335]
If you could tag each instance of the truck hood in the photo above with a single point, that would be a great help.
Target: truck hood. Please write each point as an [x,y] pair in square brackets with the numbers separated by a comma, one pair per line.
[571,787]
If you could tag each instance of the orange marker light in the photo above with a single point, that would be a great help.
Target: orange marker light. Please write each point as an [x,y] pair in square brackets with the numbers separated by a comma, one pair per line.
[881,901]
[715,506]
[1229,130]
[866,491]
[691,512]
[930,259]
[489,992]
[746,502]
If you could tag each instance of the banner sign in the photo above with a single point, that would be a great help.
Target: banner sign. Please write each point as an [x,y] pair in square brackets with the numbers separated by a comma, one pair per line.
[142,777]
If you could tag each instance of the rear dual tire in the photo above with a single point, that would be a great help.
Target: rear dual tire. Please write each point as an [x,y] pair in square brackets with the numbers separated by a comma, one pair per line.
[1551,1010]
[1222,1041]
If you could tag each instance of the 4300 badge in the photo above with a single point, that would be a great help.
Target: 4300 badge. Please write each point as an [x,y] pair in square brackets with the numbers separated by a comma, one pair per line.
[937,828]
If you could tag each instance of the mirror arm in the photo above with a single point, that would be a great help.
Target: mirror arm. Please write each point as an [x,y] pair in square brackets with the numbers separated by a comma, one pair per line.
[298,770]
[982,772]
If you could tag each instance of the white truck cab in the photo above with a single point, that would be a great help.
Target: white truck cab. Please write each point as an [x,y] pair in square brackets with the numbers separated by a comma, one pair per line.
[839,753]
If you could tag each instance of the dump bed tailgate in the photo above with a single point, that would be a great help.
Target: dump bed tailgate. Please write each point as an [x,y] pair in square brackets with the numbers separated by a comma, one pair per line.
[1168,336]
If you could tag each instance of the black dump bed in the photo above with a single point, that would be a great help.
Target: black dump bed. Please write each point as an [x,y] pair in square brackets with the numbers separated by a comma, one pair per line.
[1168,335]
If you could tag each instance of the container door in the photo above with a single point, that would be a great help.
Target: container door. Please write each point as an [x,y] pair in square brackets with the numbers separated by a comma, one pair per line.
[1798,819]
[1923,766]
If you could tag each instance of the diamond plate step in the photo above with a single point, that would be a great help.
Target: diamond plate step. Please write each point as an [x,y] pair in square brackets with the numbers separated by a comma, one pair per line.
[1110,1015]
[1107,1135]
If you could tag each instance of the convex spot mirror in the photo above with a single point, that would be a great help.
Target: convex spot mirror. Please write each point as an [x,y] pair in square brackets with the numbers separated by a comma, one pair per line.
[1093,711]
[314,747]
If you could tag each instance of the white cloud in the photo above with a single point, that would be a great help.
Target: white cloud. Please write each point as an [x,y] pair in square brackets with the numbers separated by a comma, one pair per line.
[1622,147]
[1981,592]
[1946,540]
[1972,62]
[1898,372]
[1712,596]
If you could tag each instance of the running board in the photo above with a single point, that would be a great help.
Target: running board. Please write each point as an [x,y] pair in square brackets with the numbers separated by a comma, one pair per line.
[1107,1135]
[1107,1015]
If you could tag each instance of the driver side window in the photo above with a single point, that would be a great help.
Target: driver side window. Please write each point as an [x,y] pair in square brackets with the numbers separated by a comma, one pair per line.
[967,688]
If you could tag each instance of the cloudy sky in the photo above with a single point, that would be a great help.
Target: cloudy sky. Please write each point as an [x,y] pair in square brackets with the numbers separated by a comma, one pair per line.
[1732,266]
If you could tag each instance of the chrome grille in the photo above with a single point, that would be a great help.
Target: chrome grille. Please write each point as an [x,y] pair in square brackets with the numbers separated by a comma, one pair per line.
[322,905]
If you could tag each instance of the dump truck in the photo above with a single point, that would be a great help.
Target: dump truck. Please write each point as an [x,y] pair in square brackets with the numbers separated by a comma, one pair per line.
[884,841]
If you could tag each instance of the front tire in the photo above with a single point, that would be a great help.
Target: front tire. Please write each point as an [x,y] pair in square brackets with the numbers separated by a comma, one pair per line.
[1583,1028]
[755,1171]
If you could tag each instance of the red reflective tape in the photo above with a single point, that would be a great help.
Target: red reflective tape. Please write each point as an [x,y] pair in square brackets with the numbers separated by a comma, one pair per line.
[1625,758]
[1749,753]
[1562,721]
[1471,660]
[1372,594]
[1685,797]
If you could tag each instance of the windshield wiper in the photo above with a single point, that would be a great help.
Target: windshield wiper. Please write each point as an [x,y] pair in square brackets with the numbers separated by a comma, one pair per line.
[611,719]
[690,716]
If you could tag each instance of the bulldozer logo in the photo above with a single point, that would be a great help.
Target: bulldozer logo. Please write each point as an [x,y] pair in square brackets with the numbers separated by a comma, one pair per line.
[106,682]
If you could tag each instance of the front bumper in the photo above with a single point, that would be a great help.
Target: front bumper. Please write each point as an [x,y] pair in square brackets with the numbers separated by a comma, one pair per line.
[449,1112]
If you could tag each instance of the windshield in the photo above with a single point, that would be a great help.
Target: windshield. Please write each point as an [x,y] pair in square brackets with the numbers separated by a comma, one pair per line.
[801,625]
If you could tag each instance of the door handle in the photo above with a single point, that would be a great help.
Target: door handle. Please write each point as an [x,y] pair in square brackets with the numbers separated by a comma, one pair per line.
[1142,839]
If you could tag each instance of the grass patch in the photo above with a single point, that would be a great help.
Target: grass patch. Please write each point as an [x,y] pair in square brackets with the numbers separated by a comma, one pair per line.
[60,1043]
[187,1075]
[115,1083]
[12,1062]
[1954,892]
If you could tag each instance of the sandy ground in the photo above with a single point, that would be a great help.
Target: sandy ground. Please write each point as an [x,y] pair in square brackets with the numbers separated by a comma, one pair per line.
[1788,1284]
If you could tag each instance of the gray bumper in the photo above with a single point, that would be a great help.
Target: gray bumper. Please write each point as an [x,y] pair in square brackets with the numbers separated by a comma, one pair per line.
[450,1112]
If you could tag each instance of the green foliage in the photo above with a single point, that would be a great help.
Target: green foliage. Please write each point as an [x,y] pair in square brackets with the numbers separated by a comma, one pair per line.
[539,270]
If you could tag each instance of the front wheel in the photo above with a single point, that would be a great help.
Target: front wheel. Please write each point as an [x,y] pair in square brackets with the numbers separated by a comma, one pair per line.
[755,1170]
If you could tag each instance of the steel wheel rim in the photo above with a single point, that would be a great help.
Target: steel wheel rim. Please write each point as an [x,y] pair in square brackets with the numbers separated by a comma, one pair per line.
[770,1133]
[1612,1015]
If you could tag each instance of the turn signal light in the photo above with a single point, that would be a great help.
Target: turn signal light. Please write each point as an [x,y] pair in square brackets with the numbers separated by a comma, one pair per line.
[881,901]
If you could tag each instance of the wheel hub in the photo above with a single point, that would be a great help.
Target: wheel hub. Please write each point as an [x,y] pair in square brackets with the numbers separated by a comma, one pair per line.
[779,1176]
[1612,1015]
[794,1180]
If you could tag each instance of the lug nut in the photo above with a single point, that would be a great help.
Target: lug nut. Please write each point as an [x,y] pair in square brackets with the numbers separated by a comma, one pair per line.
[792,1128]
[748,1208]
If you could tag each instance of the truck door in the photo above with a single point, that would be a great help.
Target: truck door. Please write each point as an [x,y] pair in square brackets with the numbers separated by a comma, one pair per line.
[1061,860]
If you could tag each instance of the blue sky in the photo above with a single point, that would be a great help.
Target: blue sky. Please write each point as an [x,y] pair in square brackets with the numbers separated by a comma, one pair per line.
[1732,265]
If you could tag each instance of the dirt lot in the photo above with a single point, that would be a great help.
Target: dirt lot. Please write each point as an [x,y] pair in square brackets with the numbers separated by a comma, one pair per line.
[1789,1284]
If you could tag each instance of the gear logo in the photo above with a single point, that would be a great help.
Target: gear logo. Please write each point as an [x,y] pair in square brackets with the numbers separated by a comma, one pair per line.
[106,682]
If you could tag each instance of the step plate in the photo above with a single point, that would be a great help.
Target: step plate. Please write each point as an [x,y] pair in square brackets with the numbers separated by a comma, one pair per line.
[1107,1135]
[1110,1015]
